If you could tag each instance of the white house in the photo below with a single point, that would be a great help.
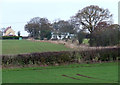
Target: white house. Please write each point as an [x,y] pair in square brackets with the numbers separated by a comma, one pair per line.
[60,36]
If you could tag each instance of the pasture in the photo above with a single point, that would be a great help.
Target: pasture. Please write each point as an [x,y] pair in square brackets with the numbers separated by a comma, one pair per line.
[25,46]
[74,73]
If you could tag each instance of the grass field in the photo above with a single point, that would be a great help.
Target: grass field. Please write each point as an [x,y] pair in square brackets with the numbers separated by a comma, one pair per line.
[25,46]
[74,73]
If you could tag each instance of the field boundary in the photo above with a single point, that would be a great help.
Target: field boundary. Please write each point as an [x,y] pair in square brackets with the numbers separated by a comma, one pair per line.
[75,46]
[88,49]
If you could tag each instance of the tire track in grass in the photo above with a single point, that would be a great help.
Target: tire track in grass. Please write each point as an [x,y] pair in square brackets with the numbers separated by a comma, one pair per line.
[70,77]
[95,78]
[85,76]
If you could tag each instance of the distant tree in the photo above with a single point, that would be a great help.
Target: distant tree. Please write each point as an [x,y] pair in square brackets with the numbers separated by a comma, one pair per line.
[81,36]
[106,36]
[2,31]
[90,16]
[75,24]
[102,26]
[115,32]
[45,34]
[36,25]
[98,36]
[33,29]
[63,26]
[19,33]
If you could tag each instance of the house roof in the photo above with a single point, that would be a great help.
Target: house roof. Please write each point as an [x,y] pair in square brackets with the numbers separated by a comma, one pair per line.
[7,29]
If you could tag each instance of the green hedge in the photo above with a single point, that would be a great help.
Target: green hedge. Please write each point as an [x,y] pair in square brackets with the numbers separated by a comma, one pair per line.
[62,57]
[49,58]
[10,37]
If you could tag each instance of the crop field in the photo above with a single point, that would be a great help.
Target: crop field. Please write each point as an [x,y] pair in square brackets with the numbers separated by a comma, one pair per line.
[74,73]
[25,46]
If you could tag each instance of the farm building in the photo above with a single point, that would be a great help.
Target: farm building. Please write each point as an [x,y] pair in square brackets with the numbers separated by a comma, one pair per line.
[9,32]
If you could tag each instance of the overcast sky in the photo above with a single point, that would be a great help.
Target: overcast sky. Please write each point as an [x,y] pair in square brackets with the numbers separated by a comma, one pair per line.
[16,13]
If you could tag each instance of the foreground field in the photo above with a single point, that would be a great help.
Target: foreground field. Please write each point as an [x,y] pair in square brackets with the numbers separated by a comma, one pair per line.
[75,73]
[25,46]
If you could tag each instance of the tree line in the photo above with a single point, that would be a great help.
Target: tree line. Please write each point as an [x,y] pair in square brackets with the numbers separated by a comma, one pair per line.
[91,20]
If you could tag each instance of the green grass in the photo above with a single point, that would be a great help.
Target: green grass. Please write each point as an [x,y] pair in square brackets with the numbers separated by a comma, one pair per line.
[104,73]
[25,46]
[85,41]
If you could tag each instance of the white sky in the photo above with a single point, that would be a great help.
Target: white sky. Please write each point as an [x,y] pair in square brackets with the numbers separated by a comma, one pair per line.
[16,13]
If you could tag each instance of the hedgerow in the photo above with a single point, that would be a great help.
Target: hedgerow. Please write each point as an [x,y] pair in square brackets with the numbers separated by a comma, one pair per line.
[62,57]
[10,37]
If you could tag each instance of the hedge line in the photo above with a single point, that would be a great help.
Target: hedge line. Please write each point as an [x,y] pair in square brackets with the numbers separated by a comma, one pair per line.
[53,58]
[106,54]
[10,37]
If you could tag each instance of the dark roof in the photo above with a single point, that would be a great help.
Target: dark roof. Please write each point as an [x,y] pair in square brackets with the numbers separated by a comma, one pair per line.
[7,29]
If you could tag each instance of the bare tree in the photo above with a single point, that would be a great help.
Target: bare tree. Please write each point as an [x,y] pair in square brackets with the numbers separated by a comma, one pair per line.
[90,16]
[102,26]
